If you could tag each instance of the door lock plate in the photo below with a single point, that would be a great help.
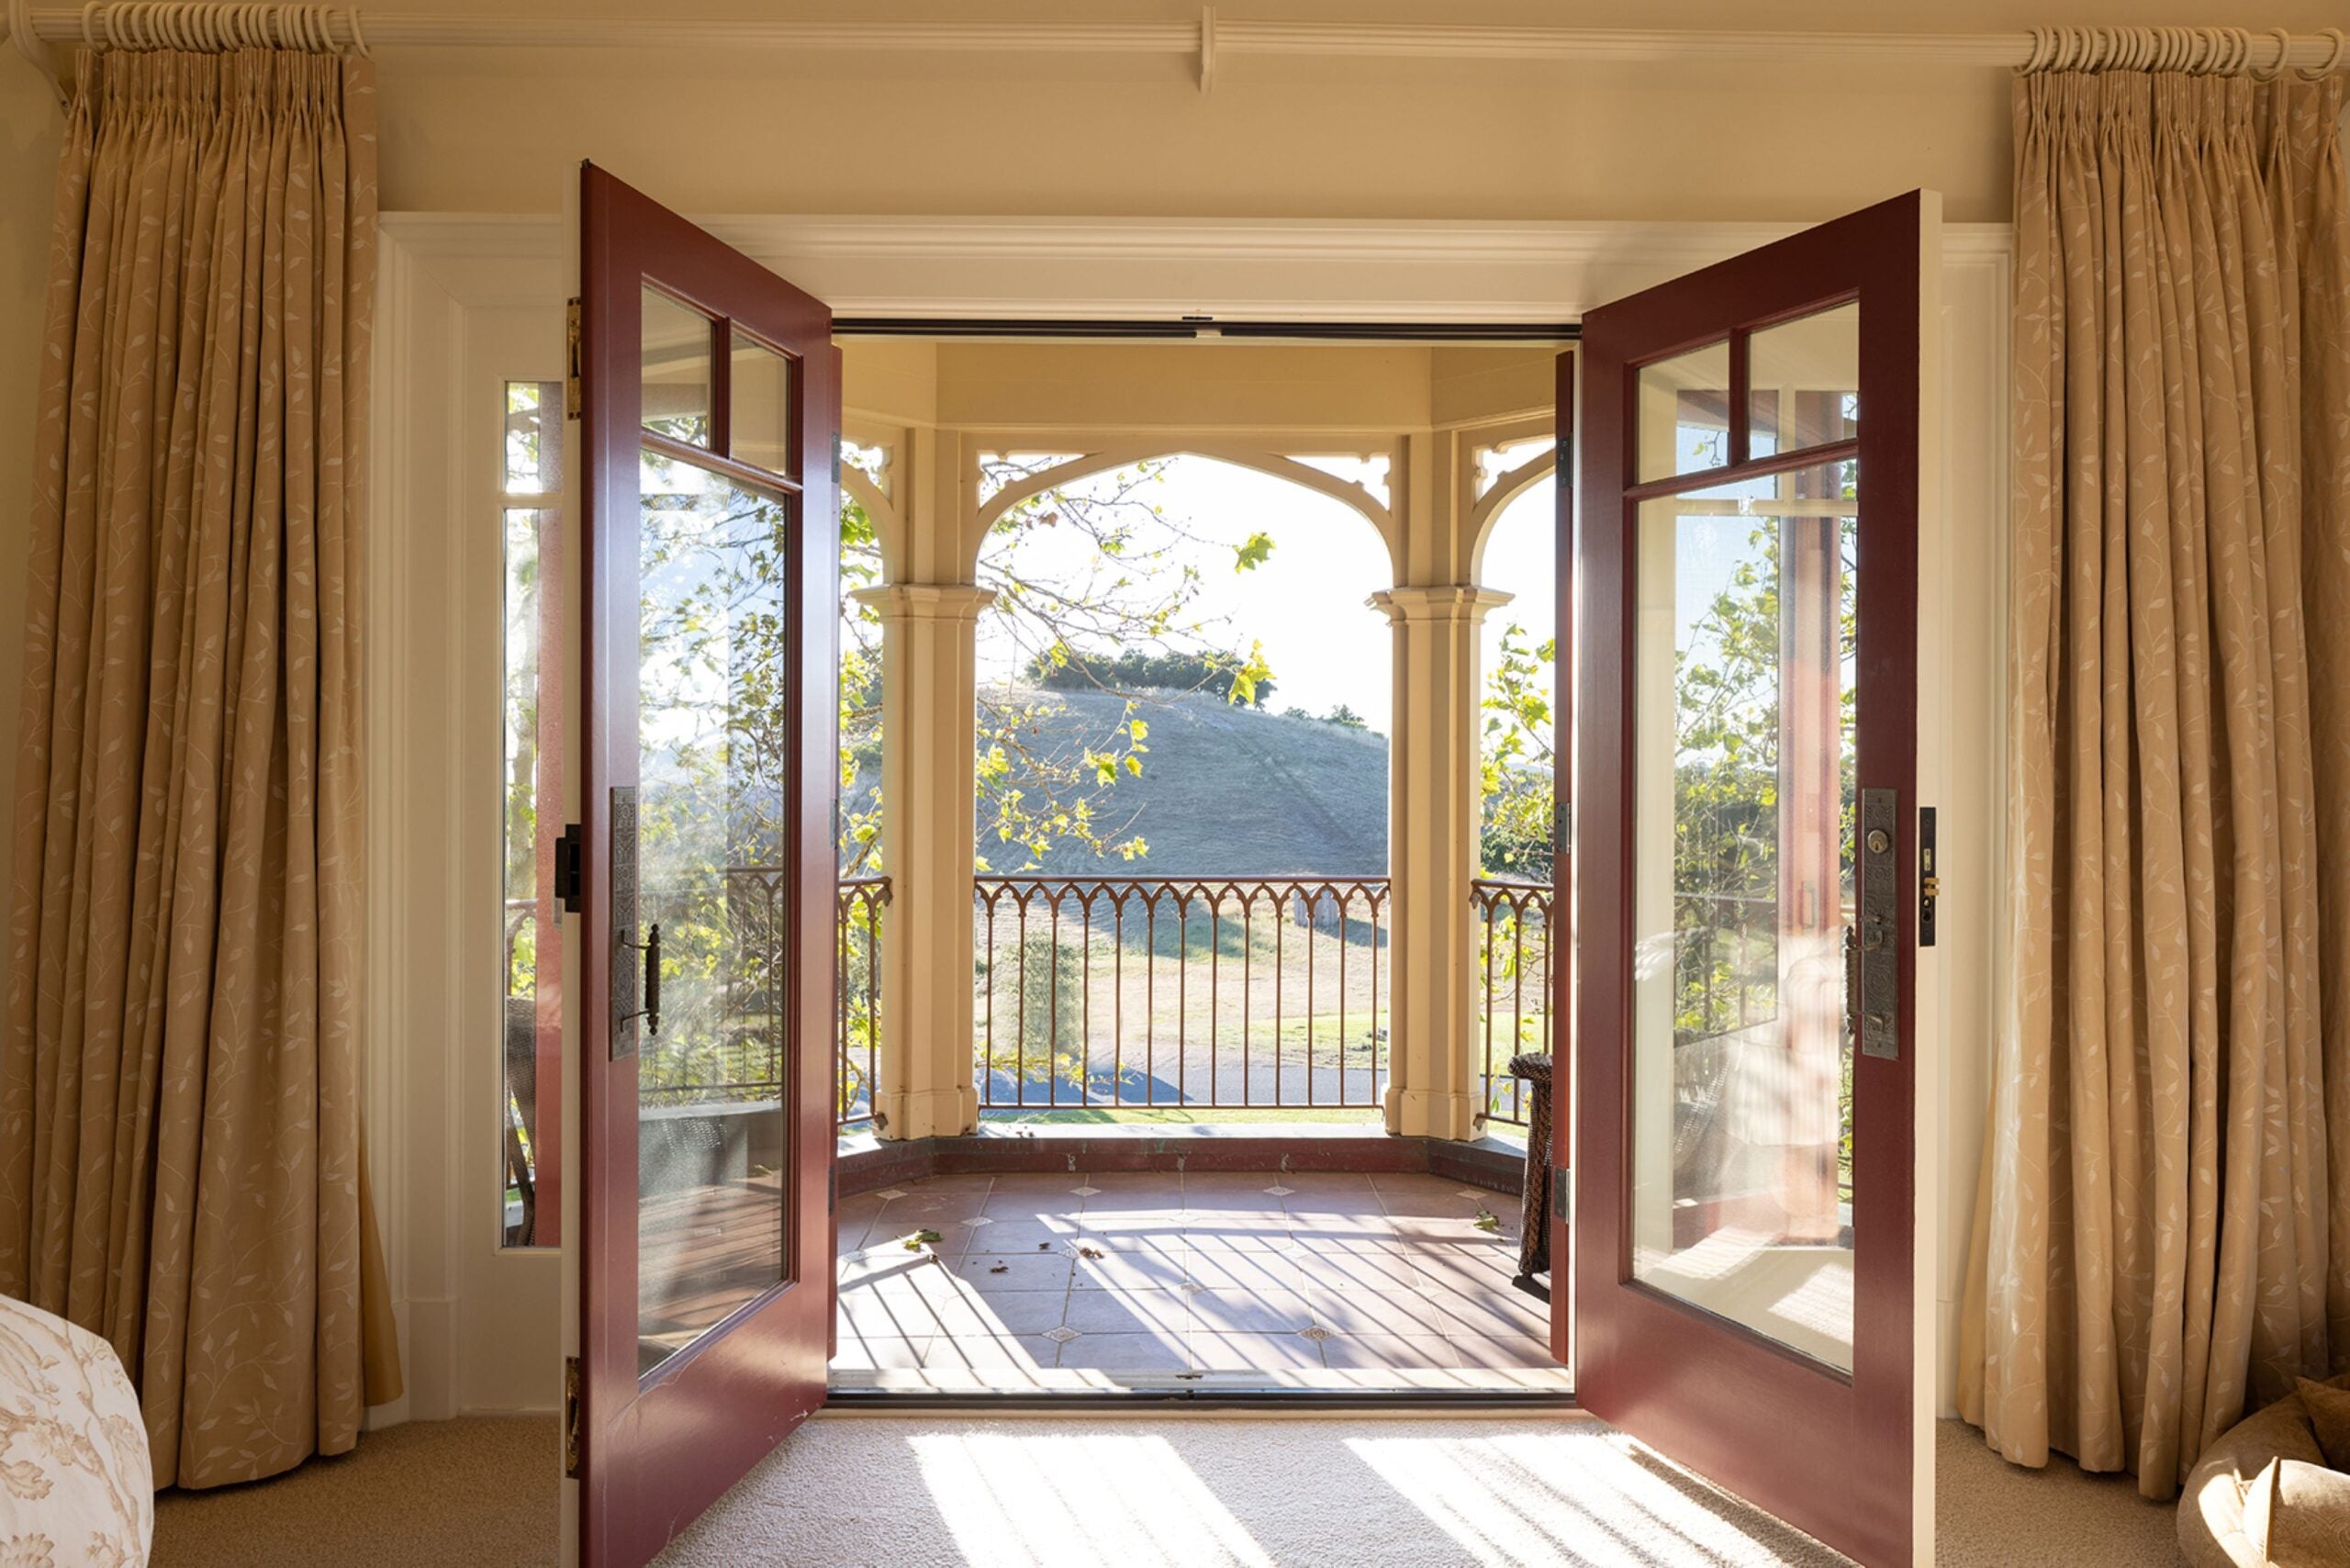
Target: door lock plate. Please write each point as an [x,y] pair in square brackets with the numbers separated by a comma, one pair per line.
[1880,923]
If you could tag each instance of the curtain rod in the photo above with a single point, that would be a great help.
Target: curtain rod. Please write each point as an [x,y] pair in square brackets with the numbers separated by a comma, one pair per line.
[1211,37]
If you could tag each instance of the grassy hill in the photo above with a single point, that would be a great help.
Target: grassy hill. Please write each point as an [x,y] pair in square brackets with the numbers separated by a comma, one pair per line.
[1225,789]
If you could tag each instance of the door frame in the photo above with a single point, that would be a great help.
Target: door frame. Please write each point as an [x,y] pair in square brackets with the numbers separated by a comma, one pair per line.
[443,275]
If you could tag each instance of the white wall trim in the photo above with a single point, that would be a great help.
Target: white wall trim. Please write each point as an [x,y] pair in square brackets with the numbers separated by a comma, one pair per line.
[438,266]
[1158,269]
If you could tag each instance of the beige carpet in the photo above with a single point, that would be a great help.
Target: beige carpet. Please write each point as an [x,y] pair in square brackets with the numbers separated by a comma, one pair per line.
[1135,1493]
[1310,1492]
[440,1493]
[1991,1514]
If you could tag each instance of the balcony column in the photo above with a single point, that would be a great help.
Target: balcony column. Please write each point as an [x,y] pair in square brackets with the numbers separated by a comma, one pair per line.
[1432,856]
[928,689]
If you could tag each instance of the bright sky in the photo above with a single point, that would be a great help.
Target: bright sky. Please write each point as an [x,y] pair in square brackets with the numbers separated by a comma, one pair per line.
[1307,602]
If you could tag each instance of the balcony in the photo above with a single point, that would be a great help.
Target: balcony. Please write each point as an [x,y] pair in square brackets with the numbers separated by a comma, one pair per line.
[1207,1280]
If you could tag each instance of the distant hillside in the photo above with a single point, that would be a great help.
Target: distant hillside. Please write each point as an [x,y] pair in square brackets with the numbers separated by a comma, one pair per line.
[1223,789]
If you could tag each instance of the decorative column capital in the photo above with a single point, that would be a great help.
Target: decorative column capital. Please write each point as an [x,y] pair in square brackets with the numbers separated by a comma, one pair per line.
[926,602]
[1452,603]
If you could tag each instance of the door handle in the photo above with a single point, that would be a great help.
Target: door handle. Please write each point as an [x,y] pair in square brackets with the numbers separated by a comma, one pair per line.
[651,994]
[1880,924]
[653,979]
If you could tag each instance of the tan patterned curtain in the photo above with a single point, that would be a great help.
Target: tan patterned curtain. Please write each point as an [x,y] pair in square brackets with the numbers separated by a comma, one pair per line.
[2160,1238]
[179,1163]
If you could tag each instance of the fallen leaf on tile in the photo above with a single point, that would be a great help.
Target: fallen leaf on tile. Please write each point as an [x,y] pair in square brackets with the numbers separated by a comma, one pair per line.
[1485,1220]
[1000,1268]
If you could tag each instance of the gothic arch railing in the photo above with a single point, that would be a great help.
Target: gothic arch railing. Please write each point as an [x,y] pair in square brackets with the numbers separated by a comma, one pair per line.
[1138,992]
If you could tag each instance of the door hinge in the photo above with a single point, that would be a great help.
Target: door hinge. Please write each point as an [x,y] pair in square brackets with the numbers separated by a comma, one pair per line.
[1563,825]
[571,1439]
[571,394]
[1562,1194]
[570,891]
[832,1188]
[838,443]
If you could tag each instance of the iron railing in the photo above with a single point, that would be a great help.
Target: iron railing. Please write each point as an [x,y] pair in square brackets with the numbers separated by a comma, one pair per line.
[860,993]
[741,1058]
[1514,983]
[1125,992]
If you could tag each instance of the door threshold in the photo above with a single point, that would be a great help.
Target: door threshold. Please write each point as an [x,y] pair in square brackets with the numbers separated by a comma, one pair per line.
[1260,1398]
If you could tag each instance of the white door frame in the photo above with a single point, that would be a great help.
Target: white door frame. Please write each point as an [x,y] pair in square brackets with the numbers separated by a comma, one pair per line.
[451,287]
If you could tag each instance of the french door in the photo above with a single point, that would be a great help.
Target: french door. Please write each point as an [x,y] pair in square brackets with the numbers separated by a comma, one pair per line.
[1745,1257]
[711,396]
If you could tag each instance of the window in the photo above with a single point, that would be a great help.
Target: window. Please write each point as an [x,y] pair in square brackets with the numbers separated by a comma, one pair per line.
[530,1045]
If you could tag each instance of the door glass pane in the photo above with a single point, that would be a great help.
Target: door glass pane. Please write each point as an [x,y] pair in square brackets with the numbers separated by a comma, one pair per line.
[1803,380]
[712,1133]
[529,959]
[1742,891]
[1684,413]
[675,369]
[759,406]
[534,437]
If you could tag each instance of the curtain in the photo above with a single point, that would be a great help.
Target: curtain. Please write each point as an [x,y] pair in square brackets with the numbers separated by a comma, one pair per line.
[180,1160]
[2162,1235]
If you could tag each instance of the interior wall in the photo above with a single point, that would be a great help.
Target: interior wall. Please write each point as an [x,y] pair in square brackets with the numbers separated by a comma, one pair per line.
[756,132]
[752,131]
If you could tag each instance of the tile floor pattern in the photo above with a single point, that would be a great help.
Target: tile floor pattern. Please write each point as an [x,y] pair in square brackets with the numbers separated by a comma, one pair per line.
[1147,1279]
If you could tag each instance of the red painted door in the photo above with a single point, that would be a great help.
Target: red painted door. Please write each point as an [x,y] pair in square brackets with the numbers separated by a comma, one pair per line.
[1746,1253]
[710,419]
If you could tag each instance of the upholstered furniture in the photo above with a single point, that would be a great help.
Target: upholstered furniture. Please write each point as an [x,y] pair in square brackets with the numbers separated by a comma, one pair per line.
[76,1486]
[2264,1493]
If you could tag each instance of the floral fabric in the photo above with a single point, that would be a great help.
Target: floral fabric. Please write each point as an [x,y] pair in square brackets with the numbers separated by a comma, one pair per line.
[179,1096]
[75,1489]
[2159,1241]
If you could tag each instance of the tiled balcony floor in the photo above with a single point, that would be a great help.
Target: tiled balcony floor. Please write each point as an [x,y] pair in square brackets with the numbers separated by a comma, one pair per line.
[1149,1280]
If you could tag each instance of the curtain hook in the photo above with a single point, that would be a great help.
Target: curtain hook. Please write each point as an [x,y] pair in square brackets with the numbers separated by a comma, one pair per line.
[2036,57]
[2333,61]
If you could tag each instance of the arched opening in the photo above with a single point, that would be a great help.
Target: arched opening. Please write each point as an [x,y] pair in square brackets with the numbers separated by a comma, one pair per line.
[1183,706]
[1519,751]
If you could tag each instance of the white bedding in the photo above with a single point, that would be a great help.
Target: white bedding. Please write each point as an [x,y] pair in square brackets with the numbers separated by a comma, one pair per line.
[76,1484]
